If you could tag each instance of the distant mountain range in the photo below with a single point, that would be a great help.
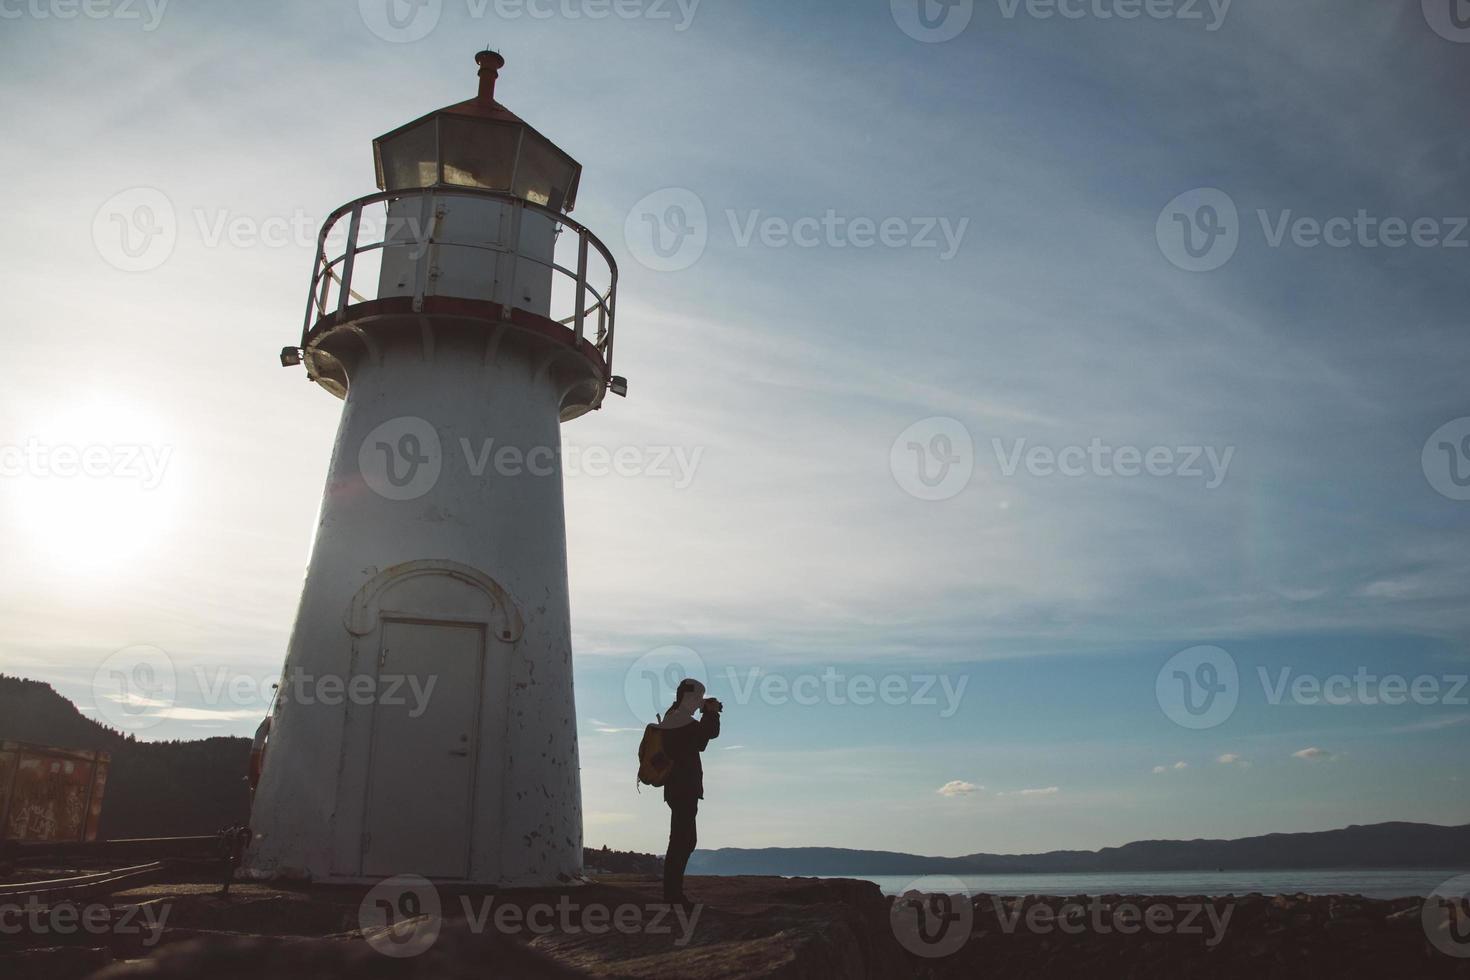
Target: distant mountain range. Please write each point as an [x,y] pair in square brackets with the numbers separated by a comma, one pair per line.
[1381,845]
[154,789]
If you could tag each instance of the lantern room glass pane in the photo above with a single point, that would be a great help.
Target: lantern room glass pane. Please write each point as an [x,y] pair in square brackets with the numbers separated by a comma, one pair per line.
[544,174]
[477,153]
[408,159]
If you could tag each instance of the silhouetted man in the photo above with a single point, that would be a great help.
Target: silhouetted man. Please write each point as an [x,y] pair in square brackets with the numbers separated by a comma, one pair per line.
[684,738]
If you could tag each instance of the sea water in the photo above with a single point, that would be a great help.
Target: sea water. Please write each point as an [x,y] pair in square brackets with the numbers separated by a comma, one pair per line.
[1375,883]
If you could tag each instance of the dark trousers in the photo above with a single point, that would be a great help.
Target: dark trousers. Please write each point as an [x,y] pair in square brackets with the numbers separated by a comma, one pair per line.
[682,838]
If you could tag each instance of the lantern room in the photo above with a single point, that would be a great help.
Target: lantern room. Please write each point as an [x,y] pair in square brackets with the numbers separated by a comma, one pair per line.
[478,143]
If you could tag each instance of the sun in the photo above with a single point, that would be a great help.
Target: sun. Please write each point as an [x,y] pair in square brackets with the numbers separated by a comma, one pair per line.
[88,489]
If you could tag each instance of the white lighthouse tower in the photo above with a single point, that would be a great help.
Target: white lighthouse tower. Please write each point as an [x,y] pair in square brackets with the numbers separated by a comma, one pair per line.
[425,722]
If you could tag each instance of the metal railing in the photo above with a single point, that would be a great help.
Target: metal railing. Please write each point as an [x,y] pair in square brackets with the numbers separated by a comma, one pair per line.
[331,290]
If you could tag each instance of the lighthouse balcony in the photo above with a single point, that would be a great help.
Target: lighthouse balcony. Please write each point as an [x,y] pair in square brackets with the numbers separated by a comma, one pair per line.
[466,254]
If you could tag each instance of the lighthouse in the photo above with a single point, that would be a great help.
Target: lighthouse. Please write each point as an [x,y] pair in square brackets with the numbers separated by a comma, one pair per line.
[425,721]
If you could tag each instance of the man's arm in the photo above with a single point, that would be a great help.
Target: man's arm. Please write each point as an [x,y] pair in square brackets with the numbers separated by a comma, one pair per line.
[709,727]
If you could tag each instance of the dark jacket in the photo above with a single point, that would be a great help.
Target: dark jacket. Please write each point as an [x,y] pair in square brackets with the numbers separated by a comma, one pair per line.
[683,746]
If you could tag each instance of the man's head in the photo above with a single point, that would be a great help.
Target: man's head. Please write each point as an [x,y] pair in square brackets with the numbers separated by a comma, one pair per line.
[689,695]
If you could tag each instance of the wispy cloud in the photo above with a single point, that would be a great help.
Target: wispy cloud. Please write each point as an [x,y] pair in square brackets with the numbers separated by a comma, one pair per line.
[604,728]
[1044,791]
[958,787]
[132,700]
[1432,725]
[180,713]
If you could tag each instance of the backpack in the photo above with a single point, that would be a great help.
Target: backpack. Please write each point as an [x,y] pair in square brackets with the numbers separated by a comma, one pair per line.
[654,762]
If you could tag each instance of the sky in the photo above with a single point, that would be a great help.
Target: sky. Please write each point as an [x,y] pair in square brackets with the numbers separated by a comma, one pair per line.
[1050,423]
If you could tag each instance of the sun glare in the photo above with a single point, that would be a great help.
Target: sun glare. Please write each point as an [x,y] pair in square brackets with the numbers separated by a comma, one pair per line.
[90,489]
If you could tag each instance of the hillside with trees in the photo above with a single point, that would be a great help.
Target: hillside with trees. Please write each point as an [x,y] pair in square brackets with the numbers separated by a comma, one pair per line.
[154,789]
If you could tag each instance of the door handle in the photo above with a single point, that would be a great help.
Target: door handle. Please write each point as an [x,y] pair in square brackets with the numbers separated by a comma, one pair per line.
[459,751]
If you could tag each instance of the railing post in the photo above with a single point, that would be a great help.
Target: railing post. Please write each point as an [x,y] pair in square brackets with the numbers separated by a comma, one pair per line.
[311,292]
[424,239]
[612,319]
[310,304]
[581,283]
[326,274]
[350,258]
[517,207]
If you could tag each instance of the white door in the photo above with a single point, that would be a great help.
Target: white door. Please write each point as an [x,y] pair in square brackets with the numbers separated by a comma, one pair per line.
[421,773]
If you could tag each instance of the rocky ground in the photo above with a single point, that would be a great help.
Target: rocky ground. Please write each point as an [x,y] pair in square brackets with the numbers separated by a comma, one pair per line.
[745,927]
[1255,936]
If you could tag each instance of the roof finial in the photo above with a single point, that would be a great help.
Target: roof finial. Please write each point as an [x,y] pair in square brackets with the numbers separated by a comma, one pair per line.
[490,63]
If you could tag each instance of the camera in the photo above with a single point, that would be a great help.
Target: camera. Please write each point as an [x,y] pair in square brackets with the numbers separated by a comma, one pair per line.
[713,704]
